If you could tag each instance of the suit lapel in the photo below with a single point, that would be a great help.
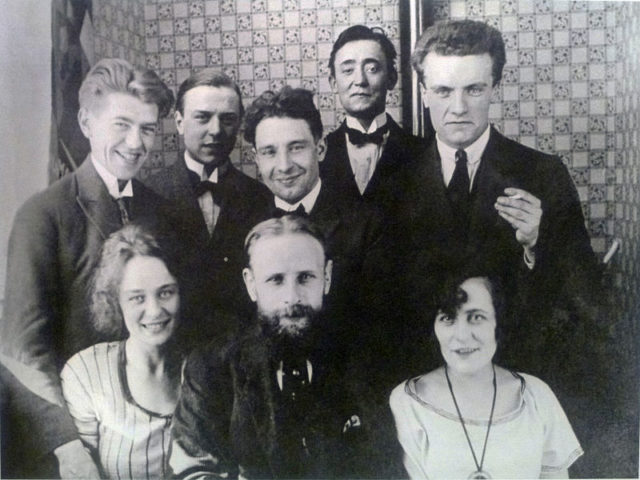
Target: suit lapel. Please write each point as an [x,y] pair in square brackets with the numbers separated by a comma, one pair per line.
[326,212]
[392,155]
[337,166]
[489,183]
[94,200]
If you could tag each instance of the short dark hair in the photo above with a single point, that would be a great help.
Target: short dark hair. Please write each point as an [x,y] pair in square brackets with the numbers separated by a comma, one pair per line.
[460,38]
[131,241]
[112,75]
[207,78]
[287,103]
[275,227]
[361,32]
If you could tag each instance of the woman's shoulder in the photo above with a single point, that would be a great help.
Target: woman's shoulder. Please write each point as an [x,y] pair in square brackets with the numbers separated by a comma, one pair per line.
[96,354]
[423,388]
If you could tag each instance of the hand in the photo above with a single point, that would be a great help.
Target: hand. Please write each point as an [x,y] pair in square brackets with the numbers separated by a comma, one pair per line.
[523,212]
[75,462]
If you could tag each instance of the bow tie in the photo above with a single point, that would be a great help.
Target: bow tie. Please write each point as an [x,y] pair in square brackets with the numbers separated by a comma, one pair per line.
[301,211]
[357,138]
[206,186]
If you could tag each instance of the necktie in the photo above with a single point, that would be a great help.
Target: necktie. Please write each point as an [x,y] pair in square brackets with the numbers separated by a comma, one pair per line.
[208,186]
[359,138]
[122,184]
[123,206]
[301,211]
[458,189]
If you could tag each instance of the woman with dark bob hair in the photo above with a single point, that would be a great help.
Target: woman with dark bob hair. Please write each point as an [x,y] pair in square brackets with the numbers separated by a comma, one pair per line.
[471,418]
[122,394]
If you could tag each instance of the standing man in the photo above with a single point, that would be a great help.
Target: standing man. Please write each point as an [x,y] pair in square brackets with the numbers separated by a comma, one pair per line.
[369,153]
[217,202]
[270,405]
[481,197]
[56,240]
[285,129]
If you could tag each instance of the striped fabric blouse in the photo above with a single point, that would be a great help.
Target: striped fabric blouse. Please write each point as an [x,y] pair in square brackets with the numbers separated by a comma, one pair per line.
[128,440]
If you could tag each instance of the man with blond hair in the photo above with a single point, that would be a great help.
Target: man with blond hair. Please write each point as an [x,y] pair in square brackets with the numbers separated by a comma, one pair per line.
[56,240]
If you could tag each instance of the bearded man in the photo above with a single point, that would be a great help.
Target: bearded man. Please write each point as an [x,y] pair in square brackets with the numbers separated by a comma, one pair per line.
[270,404]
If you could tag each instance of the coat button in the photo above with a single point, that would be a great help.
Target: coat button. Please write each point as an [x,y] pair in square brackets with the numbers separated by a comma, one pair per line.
[226,259]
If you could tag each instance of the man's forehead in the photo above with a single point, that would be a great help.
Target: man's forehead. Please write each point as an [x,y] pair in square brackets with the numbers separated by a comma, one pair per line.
[274,251]
[356,49]
[124,105]
[206,97]
[457,69]
[274,130]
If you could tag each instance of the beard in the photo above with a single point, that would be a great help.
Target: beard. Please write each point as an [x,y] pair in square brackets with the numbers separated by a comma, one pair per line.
[291,328]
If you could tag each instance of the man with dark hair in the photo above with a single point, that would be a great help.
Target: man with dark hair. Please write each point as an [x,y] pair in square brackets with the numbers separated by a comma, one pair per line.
[217,201]
[285,129]
[369,153]
[56,240]
[481,196]
[271,404]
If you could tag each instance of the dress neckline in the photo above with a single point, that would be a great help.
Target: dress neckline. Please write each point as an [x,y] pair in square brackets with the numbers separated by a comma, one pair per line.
[410,389]
[124,383]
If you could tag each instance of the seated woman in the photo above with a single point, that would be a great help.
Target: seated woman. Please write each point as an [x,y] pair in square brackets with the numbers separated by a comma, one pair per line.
[122,395]
[471,418]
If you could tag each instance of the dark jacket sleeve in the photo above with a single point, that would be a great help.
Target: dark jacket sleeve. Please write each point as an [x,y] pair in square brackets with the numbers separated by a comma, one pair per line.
[200,429]
[31,310]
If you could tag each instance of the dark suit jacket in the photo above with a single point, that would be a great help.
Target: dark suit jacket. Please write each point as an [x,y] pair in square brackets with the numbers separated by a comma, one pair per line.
[385,189]
[353,233]
[230,417]
[54,245]
[217,259]
[565,263]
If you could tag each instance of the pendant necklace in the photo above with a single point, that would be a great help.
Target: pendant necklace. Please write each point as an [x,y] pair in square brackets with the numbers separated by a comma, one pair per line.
[479,473]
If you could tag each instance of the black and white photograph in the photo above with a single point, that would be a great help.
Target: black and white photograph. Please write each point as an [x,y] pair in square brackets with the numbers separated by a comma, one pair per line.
[321,239]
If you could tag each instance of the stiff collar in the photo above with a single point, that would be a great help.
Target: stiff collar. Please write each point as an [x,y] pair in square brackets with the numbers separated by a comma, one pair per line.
[111,181]
[198,168]
[308,201]
[378,122]
[474,151]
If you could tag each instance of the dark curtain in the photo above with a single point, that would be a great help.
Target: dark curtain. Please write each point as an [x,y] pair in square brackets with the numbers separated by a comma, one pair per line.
[69,65]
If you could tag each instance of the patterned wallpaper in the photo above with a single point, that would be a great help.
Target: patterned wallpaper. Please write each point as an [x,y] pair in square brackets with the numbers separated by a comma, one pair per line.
[627,206]
[262,44]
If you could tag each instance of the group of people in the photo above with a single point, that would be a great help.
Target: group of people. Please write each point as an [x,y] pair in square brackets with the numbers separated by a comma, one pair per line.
[207,324]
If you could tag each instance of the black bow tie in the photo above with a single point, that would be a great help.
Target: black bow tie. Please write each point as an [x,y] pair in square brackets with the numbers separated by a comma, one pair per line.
[206,186]
[358,138]
[279,212]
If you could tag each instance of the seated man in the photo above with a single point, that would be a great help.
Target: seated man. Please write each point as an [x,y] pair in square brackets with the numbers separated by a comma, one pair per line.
[286,131]
[270,403]
[56,240]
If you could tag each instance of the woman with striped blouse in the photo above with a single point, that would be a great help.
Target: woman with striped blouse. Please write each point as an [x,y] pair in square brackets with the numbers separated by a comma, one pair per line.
[121,395]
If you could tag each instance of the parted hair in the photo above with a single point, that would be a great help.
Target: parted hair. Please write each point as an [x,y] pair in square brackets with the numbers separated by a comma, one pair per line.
[275,227]
[114,75]
[287,103]
[207,78]
[130,241]
[362,32]
[460,38]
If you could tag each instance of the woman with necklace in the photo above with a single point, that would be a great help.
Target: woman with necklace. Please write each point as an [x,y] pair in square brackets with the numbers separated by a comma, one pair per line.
[121,395]
[471,418]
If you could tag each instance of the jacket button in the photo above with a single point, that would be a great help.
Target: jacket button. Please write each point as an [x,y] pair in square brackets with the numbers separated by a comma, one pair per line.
[226,259]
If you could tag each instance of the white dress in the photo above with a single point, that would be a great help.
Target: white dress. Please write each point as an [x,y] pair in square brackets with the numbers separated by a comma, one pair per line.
[534,438]
[128,440]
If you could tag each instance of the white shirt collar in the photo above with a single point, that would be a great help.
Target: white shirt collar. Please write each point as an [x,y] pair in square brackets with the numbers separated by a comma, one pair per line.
[111,181]
[474,151]
[308,201]
[378,122]
[198,168]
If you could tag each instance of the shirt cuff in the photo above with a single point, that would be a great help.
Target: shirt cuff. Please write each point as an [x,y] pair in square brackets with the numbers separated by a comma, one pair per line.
[529,258]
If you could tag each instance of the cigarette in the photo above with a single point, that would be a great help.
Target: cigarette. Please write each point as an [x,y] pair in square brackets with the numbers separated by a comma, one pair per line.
[517,196]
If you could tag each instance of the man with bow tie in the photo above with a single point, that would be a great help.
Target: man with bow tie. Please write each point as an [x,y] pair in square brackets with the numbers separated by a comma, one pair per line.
[217,202]
[273,403]
[56,240]
[285,129]
[369,153]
